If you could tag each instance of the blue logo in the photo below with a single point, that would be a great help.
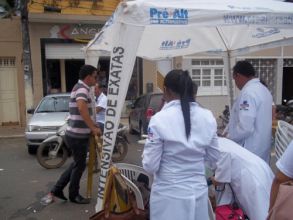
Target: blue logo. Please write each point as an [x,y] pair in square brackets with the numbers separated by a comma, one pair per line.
[173,45]
[265,32]
[172,17]
[244,106]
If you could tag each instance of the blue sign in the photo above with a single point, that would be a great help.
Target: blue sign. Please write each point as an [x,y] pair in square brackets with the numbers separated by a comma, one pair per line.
[173,17]
[174,45]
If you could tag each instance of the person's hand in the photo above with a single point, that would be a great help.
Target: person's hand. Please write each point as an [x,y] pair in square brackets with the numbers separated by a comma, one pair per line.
[215,183]
[96,131]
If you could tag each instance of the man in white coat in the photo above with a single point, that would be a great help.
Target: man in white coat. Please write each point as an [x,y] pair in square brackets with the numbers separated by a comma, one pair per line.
[248,175]
[250,122]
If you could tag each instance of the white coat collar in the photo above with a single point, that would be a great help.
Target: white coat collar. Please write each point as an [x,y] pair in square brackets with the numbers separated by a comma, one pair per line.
[254,80]
[173,103]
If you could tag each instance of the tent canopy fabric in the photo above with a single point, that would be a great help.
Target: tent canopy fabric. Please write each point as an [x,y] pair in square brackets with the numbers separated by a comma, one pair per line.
[157,29]
[202,26]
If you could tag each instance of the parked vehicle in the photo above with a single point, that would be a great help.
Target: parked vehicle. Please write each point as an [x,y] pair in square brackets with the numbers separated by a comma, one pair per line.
[53,152]
[142,110]
[47,118]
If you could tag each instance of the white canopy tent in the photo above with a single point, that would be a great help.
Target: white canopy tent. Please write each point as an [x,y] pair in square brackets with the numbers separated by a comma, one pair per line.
[159,29]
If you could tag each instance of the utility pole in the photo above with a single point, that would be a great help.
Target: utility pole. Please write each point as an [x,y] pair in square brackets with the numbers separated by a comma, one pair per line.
[26,57]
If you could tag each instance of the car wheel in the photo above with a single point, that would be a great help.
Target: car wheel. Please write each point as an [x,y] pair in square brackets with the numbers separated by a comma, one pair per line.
[32,149]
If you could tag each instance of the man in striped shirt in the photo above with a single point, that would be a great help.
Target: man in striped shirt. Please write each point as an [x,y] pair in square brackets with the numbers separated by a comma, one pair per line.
[80,126]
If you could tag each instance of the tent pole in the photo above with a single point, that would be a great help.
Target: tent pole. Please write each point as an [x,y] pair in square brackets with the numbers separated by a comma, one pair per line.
[227,62]
[229,79]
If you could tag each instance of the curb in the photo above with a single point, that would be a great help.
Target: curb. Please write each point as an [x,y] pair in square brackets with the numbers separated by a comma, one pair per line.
[12,136]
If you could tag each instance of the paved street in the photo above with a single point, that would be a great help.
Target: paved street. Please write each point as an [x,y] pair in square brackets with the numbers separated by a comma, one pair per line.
[23,182]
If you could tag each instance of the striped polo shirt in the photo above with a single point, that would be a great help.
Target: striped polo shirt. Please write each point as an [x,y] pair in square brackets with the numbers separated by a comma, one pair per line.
[77,128]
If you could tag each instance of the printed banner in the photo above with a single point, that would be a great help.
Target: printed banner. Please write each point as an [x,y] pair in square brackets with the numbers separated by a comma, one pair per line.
[123,57]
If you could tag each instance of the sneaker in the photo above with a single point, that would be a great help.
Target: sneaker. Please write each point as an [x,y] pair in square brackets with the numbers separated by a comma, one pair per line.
[59,194]
[47,199]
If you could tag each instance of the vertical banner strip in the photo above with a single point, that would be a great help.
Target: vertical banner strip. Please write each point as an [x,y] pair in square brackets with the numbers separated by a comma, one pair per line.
[123,57]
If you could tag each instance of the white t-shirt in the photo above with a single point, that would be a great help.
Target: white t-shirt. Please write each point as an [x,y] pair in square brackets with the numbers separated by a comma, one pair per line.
[285,163]
[102,103]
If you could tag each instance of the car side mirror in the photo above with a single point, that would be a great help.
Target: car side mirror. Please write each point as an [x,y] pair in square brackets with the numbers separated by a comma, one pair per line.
[30,111]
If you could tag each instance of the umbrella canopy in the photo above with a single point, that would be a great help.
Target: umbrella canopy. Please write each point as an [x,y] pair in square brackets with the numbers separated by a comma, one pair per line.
[156,29]
[215,26]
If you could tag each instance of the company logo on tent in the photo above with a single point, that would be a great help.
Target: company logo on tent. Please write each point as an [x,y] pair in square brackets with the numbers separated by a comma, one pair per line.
[173,45]
[174,16]
[265,32]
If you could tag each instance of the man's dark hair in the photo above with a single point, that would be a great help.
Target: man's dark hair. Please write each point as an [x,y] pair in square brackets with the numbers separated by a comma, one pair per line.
[244,68]
[86,70]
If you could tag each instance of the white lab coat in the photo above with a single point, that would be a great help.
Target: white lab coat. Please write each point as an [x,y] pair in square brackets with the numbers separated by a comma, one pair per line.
[250,123]
[249,176]
[179,190]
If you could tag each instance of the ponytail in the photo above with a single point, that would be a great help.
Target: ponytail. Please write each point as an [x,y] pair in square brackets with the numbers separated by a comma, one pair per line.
[180,82]
[186,96]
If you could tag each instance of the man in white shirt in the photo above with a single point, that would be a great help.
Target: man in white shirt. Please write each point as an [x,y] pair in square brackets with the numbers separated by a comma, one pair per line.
[101,105]
[250,122]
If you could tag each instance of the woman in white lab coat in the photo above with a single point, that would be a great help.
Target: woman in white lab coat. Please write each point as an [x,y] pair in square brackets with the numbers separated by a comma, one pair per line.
[249,176]
[180,137]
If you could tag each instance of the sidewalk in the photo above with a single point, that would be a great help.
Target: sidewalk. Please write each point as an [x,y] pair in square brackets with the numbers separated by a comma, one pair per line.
[11,131]
[16,131]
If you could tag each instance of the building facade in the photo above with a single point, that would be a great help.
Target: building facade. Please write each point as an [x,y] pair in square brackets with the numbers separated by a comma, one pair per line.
[60,29]
[12,98]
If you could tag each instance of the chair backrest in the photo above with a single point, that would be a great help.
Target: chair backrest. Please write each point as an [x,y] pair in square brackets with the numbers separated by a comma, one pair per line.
[136,191]
[134,173]
[283,137]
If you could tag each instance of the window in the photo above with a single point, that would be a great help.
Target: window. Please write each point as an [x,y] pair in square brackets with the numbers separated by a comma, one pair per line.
[266,70]
[208,74]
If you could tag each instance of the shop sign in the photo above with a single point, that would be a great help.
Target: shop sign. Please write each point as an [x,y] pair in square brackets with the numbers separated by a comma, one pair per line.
[76,32]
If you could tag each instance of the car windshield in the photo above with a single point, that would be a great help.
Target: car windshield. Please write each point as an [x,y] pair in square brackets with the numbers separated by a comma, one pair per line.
[54,104]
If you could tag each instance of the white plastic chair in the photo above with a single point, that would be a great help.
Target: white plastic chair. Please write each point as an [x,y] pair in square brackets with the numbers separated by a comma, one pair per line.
[136,191]
[133,172]
[283,137]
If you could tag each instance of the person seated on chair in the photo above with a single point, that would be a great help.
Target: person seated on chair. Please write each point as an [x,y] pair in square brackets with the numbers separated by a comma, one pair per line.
[249,176]
[284,173]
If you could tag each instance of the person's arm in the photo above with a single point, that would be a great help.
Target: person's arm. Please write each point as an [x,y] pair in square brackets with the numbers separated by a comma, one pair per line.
[83,110]
[153,150]
[279,178]
[212,152]
[284,173]
[98,109]
[245,119]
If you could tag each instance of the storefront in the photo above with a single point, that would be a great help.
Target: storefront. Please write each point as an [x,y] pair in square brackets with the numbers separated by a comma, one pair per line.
[57,56]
